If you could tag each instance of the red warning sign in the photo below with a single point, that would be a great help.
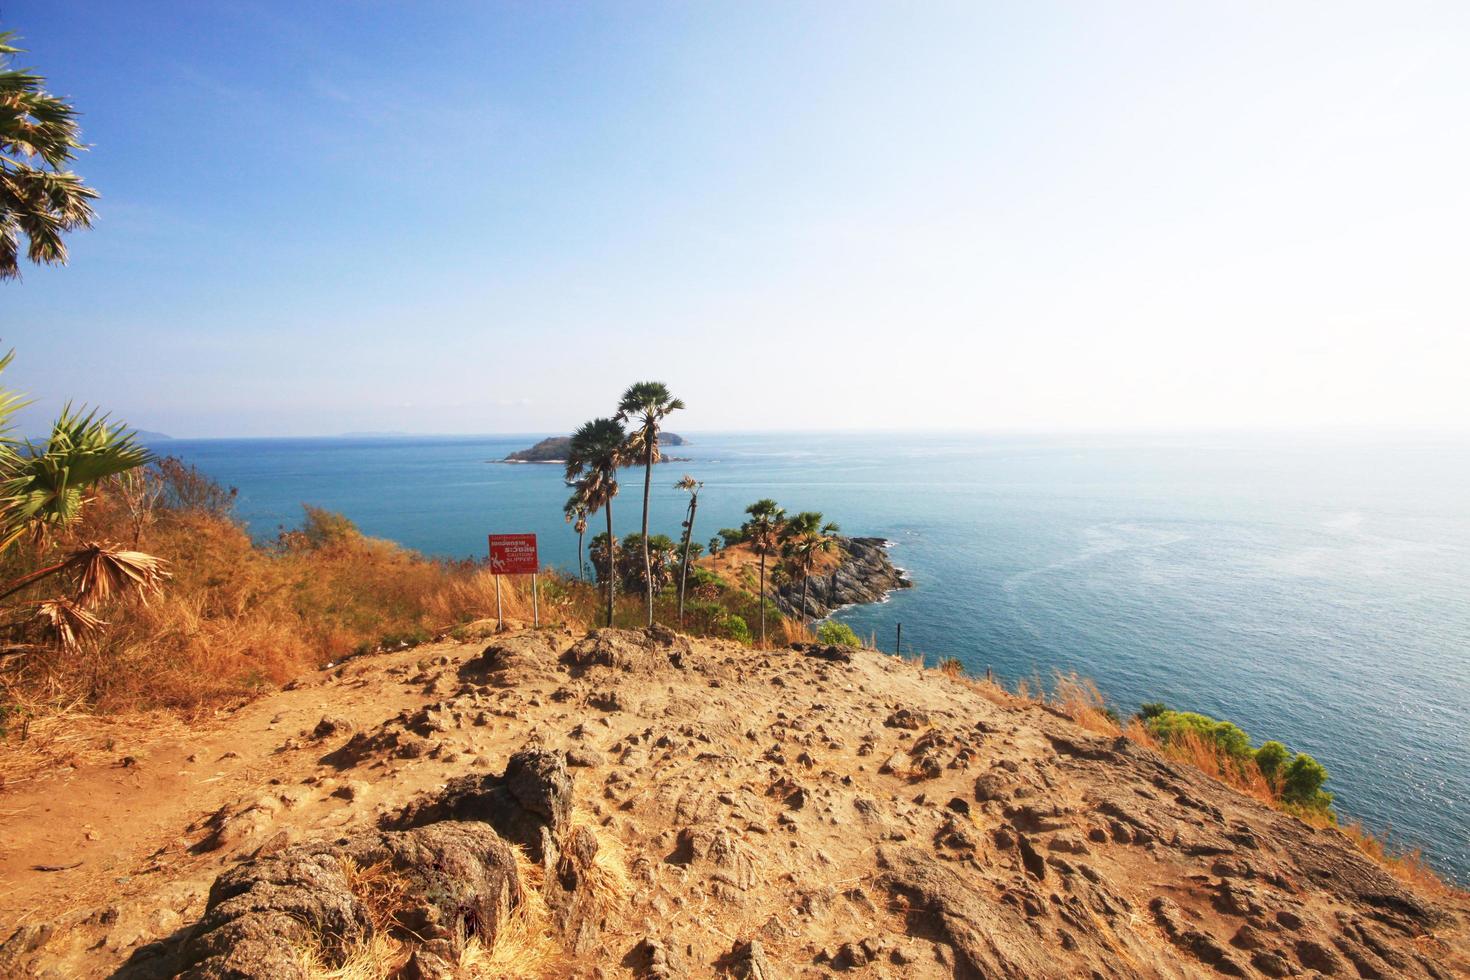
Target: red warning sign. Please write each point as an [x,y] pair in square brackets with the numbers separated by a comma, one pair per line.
[513,554]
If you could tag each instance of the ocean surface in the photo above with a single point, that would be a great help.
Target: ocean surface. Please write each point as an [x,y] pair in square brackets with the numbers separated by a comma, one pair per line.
[1312,588]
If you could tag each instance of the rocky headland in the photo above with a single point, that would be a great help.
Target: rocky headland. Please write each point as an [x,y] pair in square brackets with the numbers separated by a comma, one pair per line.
[862,574]
[554,450]
[641,804]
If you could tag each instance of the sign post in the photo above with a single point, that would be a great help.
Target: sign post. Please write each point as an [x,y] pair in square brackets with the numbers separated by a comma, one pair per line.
[514,554]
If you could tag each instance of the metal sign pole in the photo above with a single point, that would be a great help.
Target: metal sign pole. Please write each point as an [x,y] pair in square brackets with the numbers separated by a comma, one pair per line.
[499,616]
[535,604]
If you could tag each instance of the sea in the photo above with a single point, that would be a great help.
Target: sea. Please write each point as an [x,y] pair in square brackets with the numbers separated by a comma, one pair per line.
[1313,588]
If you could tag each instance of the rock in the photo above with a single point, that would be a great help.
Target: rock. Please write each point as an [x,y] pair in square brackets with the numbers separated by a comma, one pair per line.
[989,938]
[331,725]
[908,719]
[661,960]
[828,652]
[1202,945]
[654,649]
[460,880]
[747,961]
[521,659]
[23,942]
[584,757]
[529,804]
[864,574]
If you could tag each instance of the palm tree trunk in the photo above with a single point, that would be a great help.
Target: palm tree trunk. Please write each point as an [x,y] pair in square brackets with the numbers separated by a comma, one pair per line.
[581,565]
[684,573]
[647,487]
[612,573]
[806,580]
[762,598]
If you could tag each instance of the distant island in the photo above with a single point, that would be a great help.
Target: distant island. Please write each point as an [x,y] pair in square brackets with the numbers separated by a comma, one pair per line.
[554,450]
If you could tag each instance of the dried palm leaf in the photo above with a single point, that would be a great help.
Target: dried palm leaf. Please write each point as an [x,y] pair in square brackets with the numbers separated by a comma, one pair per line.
[68,622]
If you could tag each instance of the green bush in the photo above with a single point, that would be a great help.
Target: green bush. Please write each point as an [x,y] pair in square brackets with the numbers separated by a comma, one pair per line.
[732,535]
[734,628]
[1270,757]
[1301,783]
[1171,726]
[837,634]
[1298,778]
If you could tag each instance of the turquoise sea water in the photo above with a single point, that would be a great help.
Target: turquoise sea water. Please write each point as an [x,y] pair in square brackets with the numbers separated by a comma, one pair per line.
[1312,588]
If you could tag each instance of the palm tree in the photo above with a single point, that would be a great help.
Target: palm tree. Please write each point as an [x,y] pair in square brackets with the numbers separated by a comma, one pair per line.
[43,489]
[575,511]
[648,403]
[763,530]
[38,198]
[801,539]
[593,457]
[690,484]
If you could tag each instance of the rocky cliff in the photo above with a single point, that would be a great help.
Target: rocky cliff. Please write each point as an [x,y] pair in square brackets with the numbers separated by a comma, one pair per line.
[640,804]
[864,574]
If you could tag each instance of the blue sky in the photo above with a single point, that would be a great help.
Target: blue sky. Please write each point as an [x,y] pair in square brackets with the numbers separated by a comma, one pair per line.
[473,217]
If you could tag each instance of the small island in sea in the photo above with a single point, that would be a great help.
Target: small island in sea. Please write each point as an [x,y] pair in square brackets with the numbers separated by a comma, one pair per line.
[554,450]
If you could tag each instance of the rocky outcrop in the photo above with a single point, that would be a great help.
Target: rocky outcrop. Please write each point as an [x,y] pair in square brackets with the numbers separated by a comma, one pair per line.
[864,574]
[450,882]
[441,872]
[810,811]
[554,450]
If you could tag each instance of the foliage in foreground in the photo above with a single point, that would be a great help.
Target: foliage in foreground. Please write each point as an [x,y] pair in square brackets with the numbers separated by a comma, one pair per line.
[40,199]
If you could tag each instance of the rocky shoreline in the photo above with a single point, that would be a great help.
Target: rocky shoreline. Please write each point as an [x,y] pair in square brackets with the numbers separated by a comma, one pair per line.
[864,575]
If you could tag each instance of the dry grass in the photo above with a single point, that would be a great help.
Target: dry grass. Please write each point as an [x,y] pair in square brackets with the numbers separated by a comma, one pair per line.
[609,878]
[525,945]
[1407,865]
[791,630]
[381,891]
[378,957]
[1083,702]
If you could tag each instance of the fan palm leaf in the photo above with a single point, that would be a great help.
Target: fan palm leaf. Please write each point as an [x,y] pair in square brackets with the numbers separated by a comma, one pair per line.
[44,486]
[67,621]
[105,572]
[39,199]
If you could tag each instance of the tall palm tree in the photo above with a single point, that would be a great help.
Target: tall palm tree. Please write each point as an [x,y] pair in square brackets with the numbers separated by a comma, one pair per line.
[575,511]
[593,457]
[693,487]
[647,403]
[763,531]
[803,537]
[39,198]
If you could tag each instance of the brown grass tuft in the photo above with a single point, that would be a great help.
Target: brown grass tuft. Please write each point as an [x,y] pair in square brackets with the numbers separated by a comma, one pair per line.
[525,945]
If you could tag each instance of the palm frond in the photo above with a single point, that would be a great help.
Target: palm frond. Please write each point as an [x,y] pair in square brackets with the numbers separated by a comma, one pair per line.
[67,621]
[106,572]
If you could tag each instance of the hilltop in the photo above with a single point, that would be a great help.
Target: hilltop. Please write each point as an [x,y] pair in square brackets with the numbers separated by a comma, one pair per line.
[639,803]
[554,450]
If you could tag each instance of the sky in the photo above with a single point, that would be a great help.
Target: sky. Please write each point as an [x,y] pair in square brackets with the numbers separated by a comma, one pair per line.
[445,217]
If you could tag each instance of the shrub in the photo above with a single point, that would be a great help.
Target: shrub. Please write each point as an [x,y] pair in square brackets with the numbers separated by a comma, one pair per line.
[1301,783]
[734,627]
[837,634]
[1270,757]
[1168,726]
[1152,709]
[732,535]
